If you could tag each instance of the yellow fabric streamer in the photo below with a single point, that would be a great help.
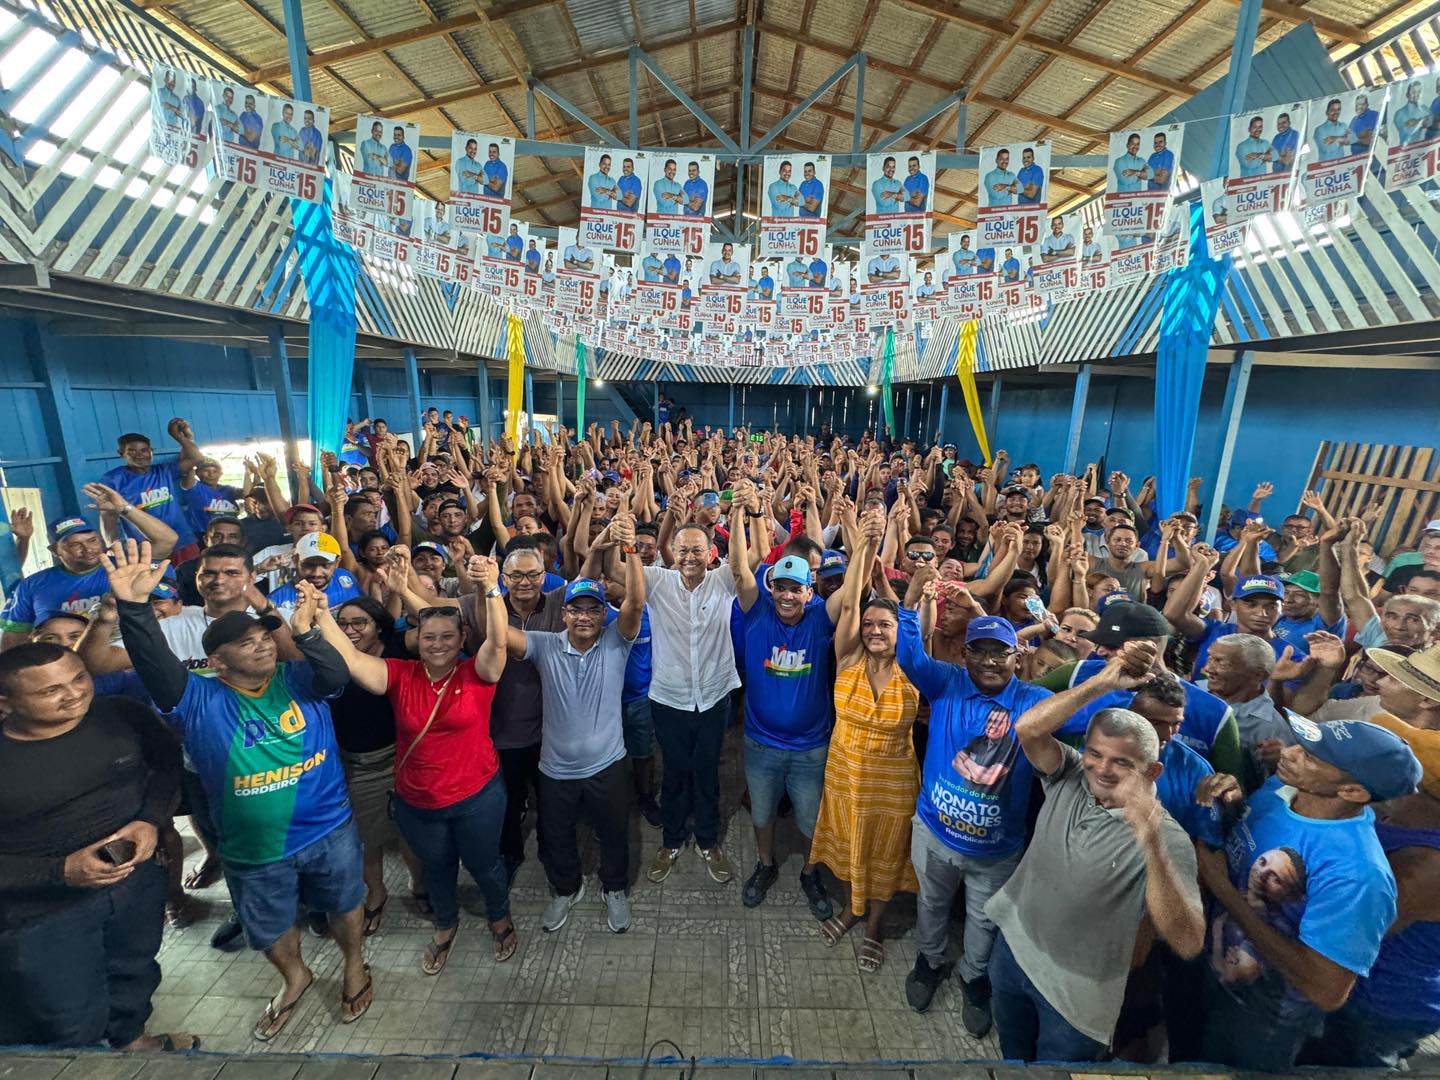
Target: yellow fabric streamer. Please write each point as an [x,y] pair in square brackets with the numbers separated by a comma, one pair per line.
[515,353]
[965,372]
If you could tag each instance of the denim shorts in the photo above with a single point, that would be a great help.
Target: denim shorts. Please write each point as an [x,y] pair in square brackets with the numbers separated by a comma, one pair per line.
[639,728]
[771,771]
[327,876]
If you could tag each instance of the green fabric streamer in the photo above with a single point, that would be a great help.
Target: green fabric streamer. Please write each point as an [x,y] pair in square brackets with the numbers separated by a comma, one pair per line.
[887,371]
[579,388]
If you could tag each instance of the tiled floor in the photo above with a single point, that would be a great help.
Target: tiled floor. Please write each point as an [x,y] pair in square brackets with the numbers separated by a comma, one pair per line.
[696,968]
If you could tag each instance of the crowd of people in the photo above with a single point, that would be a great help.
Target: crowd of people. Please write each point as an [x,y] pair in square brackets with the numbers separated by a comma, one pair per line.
[1190,793]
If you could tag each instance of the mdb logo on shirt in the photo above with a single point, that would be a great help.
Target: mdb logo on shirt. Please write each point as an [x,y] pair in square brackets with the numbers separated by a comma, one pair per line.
[787,663]
[152,497]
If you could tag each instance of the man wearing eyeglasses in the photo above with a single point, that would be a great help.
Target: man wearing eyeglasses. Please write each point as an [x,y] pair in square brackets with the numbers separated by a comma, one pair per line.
[974,793]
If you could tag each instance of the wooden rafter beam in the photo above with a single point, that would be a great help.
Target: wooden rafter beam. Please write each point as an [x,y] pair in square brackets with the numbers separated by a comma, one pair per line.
[1000,55]
[1293,13]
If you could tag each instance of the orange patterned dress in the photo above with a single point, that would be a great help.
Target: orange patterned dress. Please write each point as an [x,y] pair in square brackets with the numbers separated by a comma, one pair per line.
[871,781]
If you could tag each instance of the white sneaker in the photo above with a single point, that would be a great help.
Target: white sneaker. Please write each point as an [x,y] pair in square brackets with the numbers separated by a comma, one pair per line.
[617,907]
[557,912]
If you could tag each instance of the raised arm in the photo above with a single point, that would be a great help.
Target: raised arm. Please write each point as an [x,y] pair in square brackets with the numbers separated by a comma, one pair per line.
[1180,607]
[490,657]
[632,608]
[112,505]
[370,673]
[1171,899]
[747,591]
[132,580]
[1036,726]
[1354,594]
[190,454]
[843,605]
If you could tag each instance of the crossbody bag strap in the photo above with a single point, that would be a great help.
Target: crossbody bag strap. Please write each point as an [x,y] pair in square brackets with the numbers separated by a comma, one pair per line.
[439,699]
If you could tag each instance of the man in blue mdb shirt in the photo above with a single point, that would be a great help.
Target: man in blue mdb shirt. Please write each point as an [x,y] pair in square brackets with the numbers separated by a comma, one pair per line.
[1362,126]
[630,190]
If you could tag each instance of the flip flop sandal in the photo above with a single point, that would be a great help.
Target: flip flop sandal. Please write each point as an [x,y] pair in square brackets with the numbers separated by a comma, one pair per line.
[833,929]
[347,1000]
[506,942]
[435,957]
[168,1044]
[872,955]
[272,1022]
[372,917]
[204,875]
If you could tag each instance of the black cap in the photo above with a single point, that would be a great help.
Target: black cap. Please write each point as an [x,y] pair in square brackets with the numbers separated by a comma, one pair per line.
[1015,490]
[234,625]
[1120,623]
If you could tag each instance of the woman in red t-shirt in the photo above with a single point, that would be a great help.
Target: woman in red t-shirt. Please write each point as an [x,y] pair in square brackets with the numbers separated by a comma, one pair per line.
[450,794]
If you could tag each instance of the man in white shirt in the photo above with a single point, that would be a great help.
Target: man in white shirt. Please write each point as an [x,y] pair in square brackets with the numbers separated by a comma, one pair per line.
[693,665]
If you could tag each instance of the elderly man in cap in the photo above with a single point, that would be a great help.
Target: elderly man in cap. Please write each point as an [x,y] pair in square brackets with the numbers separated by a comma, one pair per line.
[583,766]
[788,634]
[975,788]
[1304,894]
[261,739]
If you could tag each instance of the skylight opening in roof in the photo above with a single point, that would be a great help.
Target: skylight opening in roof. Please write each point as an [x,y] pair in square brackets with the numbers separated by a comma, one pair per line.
[7,20]
[117,118]
[49,86]
[135,144]
[41,151]
[96,87]
[23,55]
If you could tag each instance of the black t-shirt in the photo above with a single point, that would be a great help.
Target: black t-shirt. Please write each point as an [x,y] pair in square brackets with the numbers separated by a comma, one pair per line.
[364,722]
[261,533]
[120,764]
[1400,577]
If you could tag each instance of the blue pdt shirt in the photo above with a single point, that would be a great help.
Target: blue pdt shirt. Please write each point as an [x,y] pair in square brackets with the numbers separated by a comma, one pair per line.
[789,699]
[818,272]
[812,189]
[311,144]
[1183,771]
[1326,884]
[999,187]
[495,171]
[1011,269]
[47,592]
[887,195]
[1214,630]
[672,269]
[1129,163]
[630,188]
[1161,161]
[637,668]
[1253,157]
[342,587]
[975,781]
[1205,714]
[1404,981]
[1030,175]
[778,193]
[156,491]
[194,112]
[400,158]
[600,187]
[667,196]
[1287,142]
[919,184]
[696,189]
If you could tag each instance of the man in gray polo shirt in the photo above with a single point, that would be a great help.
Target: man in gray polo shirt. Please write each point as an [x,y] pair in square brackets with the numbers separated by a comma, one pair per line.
[1122,865]
[583,767]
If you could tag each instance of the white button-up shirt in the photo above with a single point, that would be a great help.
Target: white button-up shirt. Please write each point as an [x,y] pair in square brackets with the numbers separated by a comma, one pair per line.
[692,655]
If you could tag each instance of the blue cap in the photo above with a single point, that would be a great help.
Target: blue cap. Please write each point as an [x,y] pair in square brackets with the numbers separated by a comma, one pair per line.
[991,628]
[1119,596]
[612,476]
[833,563]
[165,591]
[581,588]
[792,568]
[1258,585]
[709,498]
[1240,517]
[69,526]
[1379,761]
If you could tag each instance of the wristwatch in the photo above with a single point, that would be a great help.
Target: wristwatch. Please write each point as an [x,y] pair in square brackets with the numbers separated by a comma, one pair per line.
[492,592]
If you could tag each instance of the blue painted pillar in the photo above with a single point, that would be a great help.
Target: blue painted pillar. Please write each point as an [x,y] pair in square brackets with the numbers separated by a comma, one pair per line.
[656,419]
[1077,417]
[530,398]
[284,402]
[367,392]
[730,424]
[944,406]
[1236,388]
[805,416]
[909,400]
[482,401]
[297,50]
[412,380]
[559,400]
[57,400]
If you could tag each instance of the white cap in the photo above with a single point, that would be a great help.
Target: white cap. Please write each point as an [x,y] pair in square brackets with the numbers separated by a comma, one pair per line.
[1434,526]
[318,545]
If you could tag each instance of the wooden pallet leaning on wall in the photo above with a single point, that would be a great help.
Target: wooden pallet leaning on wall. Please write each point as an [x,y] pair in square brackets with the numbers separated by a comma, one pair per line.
[1404,480]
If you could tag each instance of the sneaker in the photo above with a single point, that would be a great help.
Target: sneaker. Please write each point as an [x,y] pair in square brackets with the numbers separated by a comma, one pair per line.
[650,811]
[814,890]
[664,862]
[976,1013]
[923,981]
[759,884]
[319,923]
[617,910]
[227,937]
[557,912]
[717,864]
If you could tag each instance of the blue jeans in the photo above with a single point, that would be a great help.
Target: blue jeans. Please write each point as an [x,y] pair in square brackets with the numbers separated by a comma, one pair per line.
[328,876]
[1246,1038]
[1357,1039]
[639,728]
[464,832]
[771,772]
[1029,1027]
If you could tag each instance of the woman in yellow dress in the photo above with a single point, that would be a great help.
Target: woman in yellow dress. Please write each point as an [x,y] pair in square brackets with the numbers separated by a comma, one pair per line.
[871,775]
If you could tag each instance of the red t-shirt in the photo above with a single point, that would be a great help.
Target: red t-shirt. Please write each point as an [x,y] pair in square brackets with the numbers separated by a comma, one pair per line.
[456,758]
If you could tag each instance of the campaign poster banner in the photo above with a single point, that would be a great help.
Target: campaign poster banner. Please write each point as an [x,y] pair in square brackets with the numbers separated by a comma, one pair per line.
[897,203]
[1131,264]
[440,251]
[766,285]
[482,169]
[796,192]
[1014,265]
[659,288]
[612,201]
[1264,154]
[727,267]
[759,314]
[1222,233]
[1342,139]
[1412,132]
[1014,194]
[679,212]
[880,266]
[394,239]
[179,120]
[1050,279]
[962,257]
[1172,247]
[1140,174]
[1060,244]
[885,303]
[274,144]
[384,173]
[1095,261]
[577,279]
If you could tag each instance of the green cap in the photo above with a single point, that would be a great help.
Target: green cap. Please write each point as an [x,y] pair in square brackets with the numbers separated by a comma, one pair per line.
[1305,579]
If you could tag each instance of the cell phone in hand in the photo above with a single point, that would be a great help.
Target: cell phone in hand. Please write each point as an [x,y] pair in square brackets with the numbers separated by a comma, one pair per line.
[116,852]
